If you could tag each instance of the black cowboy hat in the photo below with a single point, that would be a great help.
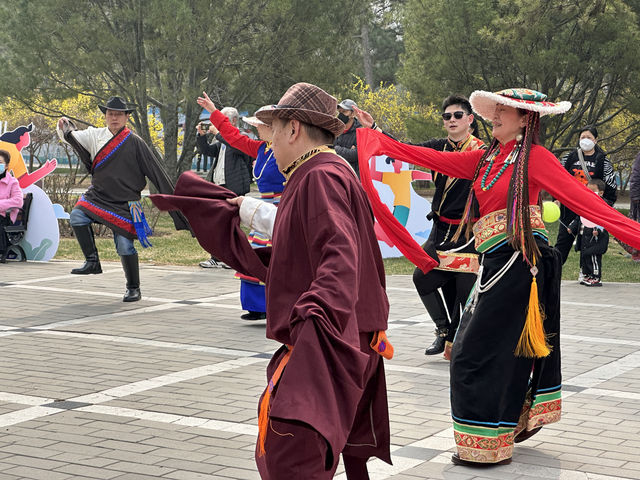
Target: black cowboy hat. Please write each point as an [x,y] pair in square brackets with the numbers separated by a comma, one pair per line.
[116,103]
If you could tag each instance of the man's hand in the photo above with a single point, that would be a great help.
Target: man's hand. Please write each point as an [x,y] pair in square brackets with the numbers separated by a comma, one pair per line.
[213,130]
[236,201]
[569,230]
[206,103]
[364,118]
[200,130]
[595,232]
[62,122]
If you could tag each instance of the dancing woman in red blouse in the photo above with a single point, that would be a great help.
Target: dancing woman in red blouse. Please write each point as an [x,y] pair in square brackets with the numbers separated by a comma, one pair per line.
[505,365]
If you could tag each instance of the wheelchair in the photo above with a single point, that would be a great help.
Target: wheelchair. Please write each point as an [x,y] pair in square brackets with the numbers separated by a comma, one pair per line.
[16,231]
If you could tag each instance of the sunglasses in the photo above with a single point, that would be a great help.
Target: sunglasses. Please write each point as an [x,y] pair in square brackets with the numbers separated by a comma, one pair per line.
[458,115]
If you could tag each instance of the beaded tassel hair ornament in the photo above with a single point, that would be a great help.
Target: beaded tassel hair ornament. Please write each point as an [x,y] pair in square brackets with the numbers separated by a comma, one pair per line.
[533,104]
[533,340]
[519,230]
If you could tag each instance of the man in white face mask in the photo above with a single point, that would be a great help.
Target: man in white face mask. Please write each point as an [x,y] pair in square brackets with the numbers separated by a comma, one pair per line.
[587,162]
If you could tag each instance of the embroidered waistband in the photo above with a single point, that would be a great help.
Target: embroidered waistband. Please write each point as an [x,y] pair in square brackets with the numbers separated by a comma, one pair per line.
[491,229]
[458,262]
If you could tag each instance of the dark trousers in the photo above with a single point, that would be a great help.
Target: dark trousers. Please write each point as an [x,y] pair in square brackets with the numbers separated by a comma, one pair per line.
[4,221]
[202,159]
[591,265]
[297,451]
[634,211]
[565,240]
[455,289]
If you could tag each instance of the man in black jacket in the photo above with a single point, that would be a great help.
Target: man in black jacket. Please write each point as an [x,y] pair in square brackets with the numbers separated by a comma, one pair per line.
[231,168]
[448,205]
[345,144]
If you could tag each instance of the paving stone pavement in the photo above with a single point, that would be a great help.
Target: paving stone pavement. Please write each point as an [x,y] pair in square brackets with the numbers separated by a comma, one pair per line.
[94,388]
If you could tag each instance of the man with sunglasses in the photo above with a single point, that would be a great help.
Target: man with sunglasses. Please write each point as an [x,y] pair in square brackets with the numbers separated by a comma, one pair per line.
[447,207]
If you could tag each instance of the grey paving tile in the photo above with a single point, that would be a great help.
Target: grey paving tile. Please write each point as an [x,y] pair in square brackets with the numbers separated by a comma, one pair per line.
[113,347]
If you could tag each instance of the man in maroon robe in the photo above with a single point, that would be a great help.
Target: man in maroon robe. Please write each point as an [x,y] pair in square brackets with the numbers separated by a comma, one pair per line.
[326,300]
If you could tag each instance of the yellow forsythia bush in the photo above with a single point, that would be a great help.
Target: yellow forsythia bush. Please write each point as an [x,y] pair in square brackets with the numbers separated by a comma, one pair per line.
[395,111]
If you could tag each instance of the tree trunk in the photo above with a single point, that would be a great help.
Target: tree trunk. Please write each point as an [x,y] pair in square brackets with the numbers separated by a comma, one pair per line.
[170,126]
[366,54]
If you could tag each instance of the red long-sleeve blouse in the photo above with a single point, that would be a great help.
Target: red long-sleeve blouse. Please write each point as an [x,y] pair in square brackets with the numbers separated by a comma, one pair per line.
[545,172]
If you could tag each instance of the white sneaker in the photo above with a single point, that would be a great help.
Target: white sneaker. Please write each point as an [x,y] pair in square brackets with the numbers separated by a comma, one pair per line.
[581,278]
[211,263]
[221,264]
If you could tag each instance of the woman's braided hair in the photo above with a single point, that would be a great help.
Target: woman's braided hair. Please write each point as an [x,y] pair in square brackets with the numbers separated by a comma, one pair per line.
[519,232]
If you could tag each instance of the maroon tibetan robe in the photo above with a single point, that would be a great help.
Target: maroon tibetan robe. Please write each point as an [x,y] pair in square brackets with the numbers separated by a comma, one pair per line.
[326,285]
[325,293]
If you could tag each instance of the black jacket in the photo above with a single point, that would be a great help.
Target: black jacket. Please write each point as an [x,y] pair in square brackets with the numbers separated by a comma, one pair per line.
[344,144]
[599,167]
[237,166]
[586,242]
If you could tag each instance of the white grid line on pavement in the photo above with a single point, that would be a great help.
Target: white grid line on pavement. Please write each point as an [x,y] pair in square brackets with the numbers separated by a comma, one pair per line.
[57,277]
[153,343]
[34,412]
[606,372]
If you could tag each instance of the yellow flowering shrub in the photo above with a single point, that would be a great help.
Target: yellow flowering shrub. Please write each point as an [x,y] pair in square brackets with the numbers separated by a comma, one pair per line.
[396,111]
[155,130]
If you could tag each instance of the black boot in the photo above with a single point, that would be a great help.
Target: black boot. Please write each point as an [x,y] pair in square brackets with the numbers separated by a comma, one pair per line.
[84,234]
[132,273]
[438,313]
[438,344]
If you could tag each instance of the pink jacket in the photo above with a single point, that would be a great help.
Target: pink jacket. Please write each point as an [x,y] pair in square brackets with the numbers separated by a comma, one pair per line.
[10,196]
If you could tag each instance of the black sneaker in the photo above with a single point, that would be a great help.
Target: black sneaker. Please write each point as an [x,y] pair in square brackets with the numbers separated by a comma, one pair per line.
[254,316]
[593,282]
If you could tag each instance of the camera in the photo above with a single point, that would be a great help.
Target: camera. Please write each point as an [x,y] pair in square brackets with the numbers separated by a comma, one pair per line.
[205,126]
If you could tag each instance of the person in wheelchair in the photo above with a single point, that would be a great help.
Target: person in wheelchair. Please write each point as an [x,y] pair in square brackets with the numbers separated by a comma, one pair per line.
[10,200]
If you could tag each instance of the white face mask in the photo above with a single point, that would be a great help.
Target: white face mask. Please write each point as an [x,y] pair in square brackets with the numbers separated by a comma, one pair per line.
[586,144]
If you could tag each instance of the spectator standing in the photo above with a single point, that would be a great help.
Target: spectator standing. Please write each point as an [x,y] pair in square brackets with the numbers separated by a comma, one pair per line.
[634,190]
[592,241]
[231,167]
[586,162]
[345,144]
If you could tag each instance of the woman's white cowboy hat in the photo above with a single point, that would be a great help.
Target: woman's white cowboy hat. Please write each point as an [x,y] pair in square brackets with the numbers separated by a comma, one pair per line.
[255,121]
[484,103]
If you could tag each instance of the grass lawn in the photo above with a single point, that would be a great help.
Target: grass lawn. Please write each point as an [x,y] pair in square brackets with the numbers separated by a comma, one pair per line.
[179,248]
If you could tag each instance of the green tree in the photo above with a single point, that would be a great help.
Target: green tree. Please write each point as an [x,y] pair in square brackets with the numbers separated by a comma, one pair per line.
[161,54]
[581,51]
[381,41]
